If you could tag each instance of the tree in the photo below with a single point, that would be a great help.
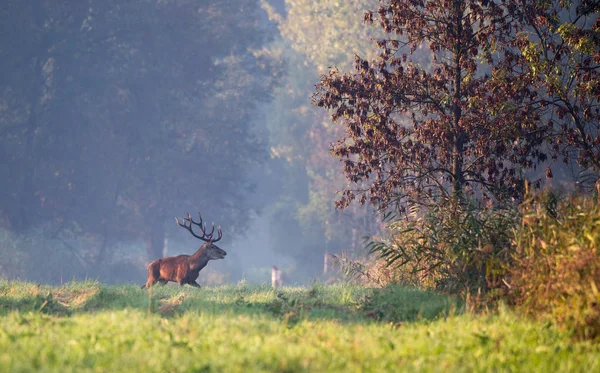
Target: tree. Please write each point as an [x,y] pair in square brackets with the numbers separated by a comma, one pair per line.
[313,37]
[325,33]
[118,116]
[462,125]
[193,134]
[561,52]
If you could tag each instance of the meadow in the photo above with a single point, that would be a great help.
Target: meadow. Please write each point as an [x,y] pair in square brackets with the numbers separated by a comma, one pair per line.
[91,327]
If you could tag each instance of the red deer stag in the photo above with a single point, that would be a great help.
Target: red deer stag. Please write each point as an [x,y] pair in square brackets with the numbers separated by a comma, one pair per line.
[184,269]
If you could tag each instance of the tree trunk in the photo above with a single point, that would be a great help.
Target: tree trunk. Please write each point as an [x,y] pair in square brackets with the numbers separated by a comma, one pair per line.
[27,189]
[155,245]
[27,200]
[457,161]
[102,255]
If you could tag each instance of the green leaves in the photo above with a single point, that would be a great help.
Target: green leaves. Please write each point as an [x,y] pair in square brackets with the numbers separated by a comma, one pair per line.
[451,246]
[557,52]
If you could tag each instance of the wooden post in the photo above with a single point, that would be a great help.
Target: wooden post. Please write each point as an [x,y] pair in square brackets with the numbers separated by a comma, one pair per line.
[276,277]
[165,246]
[325,263]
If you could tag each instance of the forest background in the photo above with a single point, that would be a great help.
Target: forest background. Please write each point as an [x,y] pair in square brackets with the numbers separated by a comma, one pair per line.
[116,117]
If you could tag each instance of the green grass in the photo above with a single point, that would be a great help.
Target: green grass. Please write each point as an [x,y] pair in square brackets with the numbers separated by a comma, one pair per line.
[81,327]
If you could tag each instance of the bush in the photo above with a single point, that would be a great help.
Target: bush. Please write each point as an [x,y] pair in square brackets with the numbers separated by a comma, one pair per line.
[556,269]
[453,246]
[371,271]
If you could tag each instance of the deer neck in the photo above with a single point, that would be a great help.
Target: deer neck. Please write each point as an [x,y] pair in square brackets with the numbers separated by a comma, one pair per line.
[199,259]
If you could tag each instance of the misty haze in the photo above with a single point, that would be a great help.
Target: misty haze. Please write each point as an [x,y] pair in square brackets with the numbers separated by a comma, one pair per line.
[117,117]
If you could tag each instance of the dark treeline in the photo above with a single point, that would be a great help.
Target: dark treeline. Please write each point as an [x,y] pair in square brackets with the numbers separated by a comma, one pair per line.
[117,116]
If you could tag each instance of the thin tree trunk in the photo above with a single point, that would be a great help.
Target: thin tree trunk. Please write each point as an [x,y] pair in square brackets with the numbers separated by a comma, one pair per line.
[27,190]
[102,255]
[155,246]
[27,200]
[457,171]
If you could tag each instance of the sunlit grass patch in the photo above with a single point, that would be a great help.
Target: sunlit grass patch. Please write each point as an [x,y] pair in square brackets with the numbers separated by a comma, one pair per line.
[241,328]
[25,296]
[130,340]
[74,298]
[169,305]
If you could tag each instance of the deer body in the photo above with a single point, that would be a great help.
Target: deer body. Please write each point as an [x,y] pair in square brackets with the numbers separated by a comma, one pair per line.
[185,269]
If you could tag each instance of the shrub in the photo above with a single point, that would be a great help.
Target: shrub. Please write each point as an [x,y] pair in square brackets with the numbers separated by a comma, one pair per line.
[371,271]
[452,246]
[556,269]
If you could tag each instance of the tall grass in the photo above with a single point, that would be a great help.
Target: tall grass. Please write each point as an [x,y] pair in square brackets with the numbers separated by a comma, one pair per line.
[453,246]
[556,270]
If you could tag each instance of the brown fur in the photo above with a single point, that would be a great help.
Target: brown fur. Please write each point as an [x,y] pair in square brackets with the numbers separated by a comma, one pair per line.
[183,269]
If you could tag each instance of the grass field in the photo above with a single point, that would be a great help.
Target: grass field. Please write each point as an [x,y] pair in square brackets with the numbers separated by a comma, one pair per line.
[86,326]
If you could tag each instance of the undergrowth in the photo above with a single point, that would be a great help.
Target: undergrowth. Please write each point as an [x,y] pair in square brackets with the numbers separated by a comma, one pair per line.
[556,270]
[542,257]
[453,246]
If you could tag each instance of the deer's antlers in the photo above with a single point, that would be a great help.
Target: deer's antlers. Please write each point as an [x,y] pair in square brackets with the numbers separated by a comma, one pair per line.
[205,237]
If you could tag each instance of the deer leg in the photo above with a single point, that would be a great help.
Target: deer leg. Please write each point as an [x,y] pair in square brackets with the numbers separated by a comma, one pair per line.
[153,274]
[149,284]
[194,284]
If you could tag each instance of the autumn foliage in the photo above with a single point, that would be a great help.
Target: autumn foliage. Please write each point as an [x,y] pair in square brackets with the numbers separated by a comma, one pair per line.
[444,127]
[453,119]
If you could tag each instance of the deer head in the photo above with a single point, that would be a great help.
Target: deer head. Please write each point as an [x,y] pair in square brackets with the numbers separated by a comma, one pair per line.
[211,250]
[214,252]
